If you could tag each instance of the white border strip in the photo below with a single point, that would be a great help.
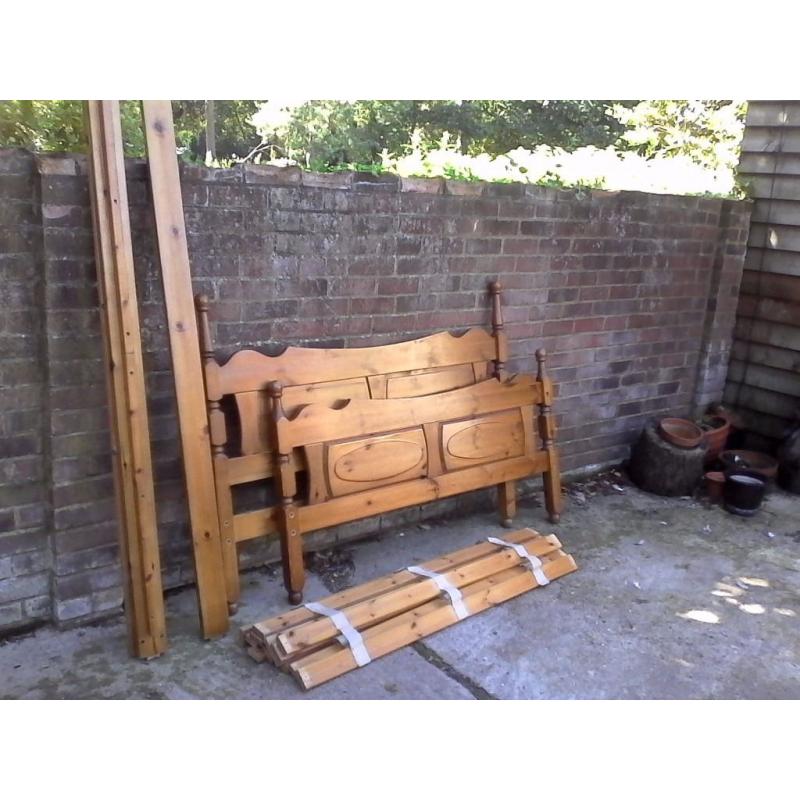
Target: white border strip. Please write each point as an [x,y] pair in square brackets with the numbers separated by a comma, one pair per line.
[534,563]
[352,636]
[456,600]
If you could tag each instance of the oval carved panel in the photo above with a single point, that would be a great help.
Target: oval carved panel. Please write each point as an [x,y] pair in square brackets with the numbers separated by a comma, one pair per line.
[493,437]
[379,460]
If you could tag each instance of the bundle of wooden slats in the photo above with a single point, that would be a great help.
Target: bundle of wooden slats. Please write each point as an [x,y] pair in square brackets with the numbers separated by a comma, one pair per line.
[315,644]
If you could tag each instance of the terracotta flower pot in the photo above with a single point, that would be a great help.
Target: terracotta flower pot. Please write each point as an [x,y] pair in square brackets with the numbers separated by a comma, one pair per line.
[715,432]
[715,481]
[680,432]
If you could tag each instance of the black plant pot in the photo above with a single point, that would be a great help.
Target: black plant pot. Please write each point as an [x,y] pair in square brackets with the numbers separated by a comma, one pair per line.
[743,491]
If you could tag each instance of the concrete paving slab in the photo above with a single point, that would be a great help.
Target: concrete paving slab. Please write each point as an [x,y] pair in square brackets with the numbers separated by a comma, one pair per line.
[704,606]
[673,599]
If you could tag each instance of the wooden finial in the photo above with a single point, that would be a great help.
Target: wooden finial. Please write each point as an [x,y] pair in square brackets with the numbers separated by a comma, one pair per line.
[201,303]
[541,357]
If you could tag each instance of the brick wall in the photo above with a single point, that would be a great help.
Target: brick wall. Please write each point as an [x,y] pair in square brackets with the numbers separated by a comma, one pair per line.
[25,522]
[633,296]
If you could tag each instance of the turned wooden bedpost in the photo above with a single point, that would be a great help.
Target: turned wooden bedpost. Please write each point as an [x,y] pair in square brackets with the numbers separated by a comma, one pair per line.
[288,522]
[506,492]
[547,432]
[218,436]
[500,340]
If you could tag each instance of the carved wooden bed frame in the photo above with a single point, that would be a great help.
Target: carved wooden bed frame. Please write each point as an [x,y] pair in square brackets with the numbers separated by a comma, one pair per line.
[269,394]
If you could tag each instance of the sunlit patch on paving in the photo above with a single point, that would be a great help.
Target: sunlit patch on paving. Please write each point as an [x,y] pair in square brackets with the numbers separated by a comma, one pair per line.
[701,615]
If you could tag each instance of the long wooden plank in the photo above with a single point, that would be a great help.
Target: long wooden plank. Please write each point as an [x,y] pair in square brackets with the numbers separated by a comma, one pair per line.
[252,524]
[356,594]
[133,471]
[125,495]
[399,600]
[424,620]
[186,365]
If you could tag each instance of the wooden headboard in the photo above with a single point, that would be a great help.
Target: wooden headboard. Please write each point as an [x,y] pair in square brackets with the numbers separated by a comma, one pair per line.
[242,444]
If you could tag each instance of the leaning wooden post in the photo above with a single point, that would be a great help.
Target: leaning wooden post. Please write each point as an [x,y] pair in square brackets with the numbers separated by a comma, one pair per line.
[186,367]
[127,400]
[547,432]
[219,438]
[294,575]
[506,491]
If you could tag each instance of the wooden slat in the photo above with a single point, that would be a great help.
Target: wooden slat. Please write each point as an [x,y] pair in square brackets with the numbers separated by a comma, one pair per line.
[780,212]
[773,113]
[774,236]
[768,356]
[230,555]
[133,472]
[442,380]
[754,398]
[769,140]
[377,386]
[295,396]
[252,408]
[759,259]
[263,635]
[244,469]
[397,601]
[780,287]
[356,594]
[768,308]
[779,187]
[253,524]
[256,467]
[771,333]
[424,620]
[761,376]
[186,365]
[769,164]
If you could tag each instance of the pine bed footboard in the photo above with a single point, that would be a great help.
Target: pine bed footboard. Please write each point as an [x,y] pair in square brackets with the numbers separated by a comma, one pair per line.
[365,457]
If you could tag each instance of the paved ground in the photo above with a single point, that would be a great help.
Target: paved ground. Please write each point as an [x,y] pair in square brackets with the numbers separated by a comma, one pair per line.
[673,599]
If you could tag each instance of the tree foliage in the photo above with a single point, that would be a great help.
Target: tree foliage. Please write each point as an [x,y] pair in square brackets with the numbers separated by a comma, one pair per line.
[59,125]
[331,134]
[708,132]
[236,135]
[328,133]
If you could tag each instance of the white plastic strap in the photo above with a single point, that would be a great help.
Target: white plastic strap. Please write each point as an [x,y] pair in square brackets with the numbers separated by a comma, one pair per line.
[351,635]
[535,563]
[456,600]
